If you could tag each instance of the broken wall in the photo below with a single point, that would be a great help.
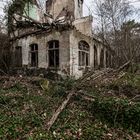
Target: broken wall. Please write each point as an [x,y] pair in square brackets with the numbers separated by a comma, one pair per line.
[84,25]
[55,7]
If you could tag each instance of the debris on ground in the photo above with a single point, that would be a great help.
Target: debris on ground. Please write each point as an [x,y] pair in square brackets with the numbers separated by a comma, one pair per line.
[102,104]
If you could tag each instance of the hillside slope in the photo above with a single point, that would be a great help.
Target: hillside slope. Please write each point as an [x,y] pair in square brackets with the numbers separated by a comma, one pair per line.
[27,104]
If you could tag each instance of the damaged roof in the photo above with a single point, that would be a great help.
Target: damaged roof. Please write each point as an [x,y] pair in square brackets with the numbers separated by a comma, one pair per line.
[49,4]
[35,2]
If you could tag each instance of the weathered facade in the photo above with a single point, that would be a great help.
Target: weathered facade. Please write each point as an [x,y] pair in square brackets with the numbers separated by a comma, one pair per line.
[60,40]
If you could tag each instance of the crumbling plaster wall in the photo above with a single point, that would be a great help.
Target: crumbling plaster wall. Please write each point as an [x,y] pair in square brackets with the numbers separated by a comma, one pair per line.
[75,38]
[68,50]
[78,11]
[84,25]
[42,41]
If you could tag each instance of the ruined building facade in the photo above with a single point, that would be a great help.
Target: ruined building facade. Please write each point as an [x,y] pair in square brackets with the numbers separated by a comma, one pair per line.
[59,39]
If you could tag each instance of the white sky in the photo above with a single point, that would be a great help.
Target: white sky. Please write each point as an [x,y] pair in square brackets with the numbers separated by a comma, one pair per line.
[88,4]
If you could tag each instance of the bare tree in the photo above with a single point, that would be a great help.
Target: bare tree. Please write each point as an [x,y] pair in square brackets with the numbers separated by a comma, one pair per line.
[129,38]
[4,52]
[113,17]
[4,45]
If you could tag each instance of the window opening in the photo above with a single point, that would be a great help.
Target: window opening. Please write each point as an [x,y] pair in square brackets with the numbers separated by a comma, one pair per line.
[34,55]
[83,54]
[53,53]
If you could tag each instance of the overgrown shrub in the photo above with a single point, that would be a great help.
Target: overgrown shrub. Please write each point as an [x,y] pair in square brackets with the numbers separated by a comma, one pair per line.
[118,112]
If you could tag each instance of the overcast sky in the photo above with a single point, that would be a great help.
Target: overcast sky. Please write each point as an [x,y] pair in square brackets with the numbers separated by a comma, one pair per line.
[88,4]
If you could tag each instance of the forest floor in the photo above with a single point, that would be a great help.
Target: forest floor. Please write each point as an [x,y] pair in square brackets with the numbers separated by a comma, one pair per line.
[28,103]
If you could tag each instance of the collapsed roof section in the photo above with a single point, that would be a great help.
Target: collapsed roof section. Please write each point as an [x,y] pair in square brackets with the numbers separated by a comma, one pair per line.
[56,10]
[59,16]
[33,11]
[23,10]
[74,7]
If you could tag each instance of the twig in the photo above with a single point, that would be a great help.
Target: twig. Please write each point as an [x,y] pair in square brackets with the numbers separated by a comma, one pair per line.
[3,72]
[123,66]
[137,96]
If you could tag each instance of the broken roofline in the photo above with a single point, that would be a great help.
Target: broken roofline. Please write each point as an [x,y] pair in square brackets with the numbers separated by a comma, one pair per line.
[48,28]
[36,2]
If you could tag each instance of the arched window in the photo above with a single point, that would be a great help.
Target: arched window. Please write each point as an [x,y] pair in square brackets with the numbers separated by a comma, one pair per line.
[18,56]
[53,53]
[95,57]
[34,55]
[102,58]
[83,53]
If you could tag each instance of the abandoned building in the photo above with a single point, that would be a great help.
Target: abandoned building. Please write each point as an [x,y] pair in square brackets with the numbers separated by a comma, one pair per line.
[59,39]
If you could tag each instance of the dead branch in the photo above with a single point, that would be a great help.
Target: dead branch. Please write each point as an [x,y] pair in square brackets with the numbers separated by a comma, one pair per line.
[3,72]
[58,111]
[135,98]
[123,66]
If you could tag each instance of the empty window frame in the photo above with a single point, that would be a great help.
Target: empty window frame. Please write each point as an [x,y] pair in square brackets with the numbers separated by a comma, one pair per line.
[83,53]
[34,55]
[95,57]
[53,53]
[18,56]
[102,58]
[107,59]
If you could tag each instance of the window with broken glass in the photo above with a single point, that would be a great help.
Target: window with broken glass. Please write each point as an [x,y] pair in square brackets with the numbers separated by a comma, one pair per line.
[34,55]
[83,53]
[53,53]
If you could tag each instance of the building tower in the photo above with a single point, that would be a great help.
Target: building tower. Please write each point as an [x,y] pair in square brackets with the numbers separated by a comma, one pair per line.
[74,7]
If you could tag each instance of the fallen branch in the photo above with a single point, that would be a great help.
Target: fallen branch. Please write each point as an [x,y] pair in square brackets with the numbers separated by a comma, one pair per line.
[86,97]
[134,98]
[3,72]
[58,111]
[123,66]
